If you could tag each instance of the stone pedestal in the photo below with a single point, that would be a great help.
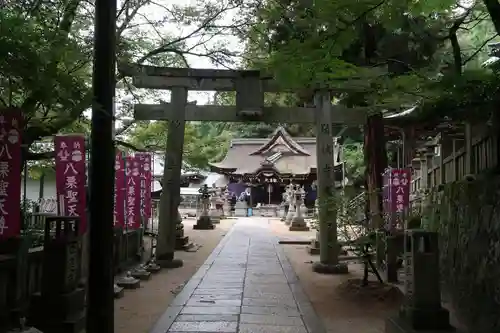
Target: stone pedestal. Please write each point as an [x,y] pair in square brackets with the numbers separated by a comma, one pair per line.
[298,222]
[282,213]
[289,215]
[421,309]
[227,209]
[128,282]
[394,246]
[118,292]
[141,273]
[204,222]
[18,249]
[214,214]
[313,249]
[60,306]
[240,209]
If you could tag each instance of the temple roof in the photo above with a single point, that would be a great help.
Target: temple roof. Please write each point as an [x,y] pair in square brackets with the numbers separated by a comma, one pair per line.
[280,152]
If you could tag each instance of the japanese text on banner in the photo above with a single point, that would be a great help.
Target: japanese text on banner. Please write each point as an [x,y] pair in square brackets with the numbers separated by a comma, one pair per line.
[133,193]
[400,189]
[120,188]
[10,173]
[146,178]
[71,177]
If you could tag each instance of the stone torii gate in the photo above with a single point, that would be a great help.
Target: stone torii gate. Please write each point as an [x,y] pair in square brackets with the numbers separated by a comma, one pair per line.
[250,86]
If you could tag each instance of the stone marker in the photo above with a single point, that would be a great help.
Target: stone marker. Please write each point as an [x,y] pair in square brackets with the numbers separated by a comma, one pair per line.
[421,310]
[60,306]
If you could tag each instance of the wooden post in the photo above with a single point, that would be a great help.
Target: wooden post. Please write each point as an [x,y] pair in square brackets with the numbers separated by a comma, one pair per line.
[424,167]
[454,175]
[329,247]
[469,155]
[170,195]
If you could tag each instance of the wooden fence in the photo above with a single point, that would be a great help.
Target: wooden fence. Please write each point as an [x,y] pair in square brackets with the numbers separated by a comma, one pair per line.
[454,164]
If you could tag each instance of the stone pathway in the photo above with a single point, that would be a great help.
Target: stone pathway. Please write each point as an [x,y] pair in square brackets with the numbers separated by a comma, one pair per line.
[246,285]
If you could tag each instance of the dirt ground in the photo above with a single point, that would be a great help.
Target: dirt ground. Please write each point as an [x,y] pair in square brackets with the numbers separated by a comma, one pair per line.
[155,295]
[342,306]
[339,300]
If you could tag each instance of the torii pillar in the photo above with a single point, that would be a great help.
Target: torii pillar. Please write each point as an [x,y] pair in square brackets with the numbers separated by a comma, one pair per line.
[329,246]
[170,194]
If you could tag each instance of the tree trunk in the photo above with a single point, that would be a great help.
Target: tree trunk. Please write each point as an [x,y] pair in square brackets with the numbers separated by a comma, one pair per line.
[376,162]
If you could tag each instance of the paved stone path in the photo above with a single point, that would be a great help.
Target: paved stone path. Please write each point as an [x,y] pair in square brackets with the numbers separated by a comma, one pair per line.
[246,285]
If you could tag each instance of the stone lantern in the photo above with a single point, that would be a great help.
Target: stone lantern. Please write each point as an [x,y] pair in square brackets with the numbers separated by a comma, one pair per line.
[298,222]
[204,222]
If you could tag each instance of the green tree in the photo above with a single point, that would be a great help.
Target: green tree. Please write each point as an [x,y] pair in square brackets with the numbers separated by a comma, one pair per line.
[203,142]
[46,53]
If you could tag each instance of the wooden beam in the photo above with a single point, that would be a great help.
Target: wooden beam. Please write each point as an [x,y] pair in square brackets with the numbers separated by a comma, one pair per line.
[340,114]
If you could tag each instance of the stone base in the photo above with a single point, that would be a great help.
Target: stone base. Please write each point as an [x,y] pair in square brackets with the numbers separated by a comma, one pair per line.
[128,282]
[141,274]
[399,325]
[204,223]
[118,292]
[181,242]
[391,272]
[425,319]
[153,267]
[299,227]
[26,330]
[173,263]
[74,324]
[56,308]
[340,268]
[313,249]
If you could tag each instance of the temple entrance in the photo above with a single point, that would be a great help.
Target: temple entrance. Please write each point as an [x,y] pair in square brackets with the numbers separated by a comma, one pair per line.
[268,193]
[296,159]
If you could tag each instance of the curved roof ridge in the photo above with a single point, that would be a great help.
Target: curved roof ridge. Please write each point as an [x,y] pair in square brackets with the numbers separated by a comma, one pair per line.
[280,132]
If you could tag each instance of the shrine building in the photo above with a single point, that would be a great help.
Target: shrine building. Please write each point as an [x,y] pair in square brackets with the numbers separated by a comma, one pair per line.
[267,165]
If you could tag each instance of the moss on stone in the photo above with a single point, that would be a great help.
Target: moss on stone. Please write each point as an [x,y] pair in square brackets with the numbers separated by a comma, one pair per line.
[467,216]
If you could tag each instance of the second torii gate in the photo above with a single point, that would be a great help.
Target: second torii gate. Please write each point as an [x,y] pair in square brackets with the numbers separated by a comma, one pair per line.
[250,86]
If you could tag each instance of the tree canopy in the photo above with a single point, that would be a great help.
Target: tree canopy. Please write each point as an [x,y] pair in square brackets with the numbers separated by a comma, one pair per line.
[389,54]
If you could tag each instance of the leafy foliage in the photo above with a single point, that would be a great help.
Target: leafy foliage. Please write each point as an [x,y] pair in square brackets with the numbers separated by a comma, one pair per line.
[203,143]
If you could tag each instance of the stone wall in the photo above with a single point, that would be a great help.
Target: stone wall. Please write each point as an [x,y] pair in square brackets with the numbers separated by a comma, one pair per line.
[467,216]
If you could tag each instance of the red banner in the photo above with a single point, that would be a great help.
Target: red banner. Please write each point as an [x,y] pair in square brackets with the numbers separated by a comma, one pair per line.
[133,195]
[10,173]
[400,180]
[71,176]
[146,178]
[120,187]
